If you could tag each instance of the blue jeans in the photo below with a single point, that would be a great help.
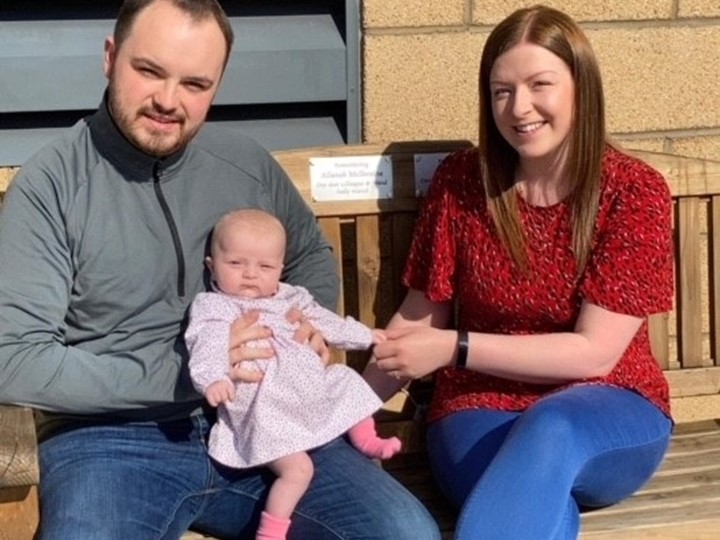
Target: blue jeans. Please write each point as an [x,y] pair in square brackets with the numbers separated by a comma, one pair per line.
[525,475]
[154,481]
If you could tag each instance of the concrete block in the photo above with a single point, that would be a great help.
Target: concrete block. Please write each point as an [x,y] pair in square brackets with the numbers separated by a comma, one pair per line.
[493,11]
[653,77]
[421,86]
[412,13]
[698,8]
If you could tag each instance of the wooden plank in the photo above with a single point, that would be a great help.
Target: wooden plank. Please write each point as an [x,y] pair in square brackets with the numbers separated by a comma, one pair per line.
[19,513]
[686,176]
[703,530]
[660,338]
[659,514]
[403,226]
[714,276]
[298,164]
[368,266]
[330,228]
[18,447]
[694,382]
[689,280]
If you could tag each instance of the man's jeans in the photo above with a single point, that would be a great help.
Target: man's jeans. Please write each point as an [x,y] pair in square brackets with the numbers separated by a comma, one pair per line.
[142,481]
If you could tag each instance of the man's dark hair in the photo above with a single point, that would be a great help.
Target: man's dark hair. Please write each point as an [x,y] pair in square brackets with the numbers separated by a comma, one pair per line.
[198,10]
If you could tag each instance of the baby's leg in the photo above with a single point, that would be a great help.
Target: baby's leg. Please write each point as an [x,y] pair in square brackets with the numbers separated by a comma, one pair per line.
[294,473]
[364,437]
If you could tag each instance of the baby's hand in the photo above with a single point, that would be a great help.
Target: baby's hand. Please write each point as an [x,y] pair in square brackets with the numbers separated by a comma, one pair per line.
[378,336]
[220,392]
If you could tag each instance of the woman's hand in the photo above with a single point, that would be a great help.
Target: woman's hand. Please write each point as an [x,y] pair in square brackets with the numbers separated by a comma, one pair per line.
[415,351]
[308,334]
[242,331]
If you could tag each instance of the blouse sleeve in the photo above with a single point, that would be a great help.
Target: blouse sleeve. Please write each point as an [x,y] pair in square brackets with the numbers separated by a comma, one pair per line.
[430,266]
[630,269]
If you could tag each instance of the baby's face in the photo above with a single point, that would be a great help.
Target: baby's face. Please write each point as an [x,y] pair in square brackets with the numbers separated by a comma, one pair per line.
[248,264]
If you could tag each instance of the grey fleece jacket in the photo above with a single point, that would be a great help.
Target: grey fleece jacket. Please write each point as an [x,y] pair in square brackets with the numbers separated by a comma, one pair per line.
[102,251]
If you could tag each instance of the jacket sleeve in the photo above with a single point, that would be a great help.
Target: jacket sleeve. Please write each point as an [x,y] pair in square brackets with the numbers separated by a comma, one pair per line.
[37,367]
[308,261]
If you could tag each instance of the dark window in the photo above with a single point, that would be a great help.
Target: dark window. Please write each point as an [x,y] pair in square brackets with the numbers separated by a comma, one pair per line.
[292,79]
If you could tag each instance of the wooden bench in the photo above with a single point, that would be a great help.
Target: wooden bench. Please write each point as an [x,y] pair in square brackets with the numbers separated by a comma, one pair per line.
[371,239]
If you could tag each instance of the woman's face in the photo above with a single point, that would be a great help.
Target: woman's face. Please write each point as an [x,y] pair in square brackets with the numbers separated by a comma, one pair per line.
[532,92]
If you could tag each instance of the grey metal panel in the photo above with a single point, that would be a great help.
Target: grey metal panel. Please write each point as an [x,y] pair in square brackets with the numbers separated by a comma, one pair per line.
[285,59]
[17,145]
[51,65]
[291,132]
[57,65]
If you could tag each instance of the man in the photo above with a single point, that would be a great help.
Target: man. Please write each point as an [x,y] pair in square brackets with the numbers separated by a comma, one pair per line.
[102,240]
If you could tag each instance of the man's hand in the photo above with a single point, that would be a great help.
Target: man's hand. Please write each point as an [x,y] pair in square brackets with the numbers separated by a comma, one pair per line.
[307,333]
[220,392]
[242,331]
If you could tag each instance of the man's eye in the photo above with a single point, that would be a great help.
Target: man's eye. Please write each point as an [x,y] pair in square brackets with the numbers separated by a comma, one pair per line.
[195,86]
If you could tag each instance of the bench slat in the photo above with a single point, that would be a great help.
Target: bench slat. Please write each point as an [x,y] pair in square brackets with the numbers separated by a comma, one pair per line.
[686,176]
[367,234]
[688,267]
[331,229]
[714,259]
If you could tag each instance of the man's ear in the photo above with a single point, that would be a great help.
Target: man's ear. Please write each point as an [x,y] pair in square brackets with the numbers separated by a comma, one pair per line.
[109,55]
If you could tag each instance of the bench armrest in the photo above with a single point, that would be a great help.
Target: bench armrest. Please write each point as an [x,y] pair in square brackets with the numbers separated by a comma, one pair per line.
[18,447]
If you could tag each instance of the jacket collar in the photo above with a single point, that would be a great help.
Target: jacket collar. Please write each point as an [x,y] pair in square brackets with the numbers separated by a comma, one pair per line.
[133,164]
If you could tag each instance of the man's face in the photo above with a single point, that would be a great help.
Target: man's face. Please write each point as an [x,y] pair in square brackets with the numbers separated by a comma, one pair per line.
[163,77]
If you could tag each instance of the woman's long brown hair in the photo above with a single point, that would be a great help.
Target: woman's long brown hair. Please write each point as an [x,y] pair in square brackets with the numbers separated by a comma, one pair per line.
[558,33]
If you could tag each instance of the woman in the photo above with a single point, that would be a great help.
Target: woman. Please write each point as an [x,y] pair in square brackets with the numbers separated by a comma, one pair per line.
[555,246]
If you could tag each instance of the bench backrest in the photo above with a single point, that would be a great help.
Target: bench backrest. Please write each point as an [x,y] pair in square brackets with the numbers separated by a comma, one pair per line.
[371,237]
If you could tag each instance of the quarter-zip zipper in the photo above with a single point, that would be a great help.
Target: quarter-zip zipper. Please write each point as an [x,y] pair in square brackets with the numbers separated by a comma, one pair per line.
[173,230]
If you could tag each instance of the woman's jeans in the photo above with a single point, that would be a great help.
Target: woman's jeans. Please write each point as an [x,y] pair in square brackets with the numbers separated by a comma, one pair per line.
[153,481]
[525,475]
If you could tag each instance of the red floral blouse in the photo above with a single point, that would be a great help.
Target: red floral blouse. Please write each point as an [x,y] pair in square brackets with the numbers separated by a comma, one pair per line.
[456,254]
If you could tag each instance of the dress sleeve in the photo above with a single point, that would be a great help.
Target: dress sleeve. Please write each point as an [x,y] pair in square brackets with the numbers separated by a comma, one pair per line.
[430,265]
[207,338]
[344,333]
[630,269]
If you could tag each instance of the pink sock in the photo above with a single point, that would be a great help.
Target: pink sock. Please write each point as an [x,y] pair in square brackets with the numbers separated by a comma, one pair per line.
[272,528]
[365,438]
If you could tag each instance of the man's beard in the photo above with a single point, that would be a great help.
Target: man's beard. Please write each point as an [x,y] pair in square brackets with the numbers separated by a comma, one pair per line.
[157,145]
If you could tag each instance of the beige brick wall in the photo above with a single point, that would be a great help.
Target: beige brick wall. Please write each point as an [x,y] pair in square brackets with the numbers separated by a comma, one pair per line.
[659,61]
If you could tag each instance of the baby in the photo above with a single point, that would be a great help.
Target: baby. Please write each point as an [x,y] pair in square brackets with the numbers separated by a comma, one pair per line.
[300,403]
